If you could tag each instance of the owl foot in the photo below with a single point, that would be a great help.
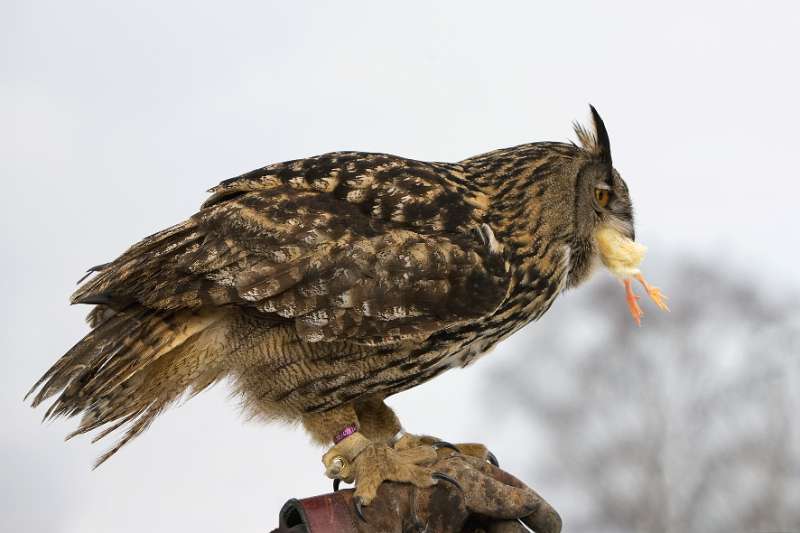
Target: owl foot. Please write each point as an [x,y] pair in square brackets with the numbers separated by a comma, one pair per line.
[357,459]
[437,445]
[472,449]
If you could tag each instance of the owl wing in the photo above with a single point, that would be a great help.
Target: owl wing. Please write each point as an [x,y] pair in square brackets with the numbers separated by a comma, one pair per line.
[329,265]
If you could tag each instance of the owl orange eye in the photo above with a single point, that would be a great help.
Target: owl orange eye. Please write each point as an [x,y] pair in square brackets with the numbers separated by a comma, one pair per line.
[601,196]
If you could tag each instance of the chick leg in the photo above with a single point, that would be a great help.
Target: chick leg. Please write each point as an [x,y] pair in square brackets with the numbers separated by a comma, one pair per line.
[633,304]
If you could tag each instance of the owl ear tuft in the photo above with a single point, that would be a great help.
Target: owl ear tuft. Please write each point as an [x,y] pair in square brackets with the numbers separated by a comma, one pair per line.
[596,142]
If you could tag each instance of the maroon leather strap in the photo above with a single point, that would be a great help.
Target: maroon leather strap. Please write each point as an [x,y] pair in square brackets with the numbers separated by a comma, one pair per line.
[327,513]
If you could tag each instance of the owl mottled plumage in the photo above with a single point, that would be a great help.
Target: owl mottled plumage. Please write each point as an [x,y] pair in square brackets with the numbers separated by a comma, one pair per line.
[323,285]
[368,247]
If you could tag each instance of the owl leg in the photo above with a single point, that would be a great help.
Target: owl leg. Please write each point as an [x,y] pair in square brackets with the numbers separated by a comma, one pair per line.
[377,421]
[368,463]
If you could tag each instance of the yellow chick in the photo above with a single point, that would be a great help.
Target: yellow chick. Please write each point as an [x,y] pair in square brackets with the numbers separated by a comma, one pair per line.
[622,257]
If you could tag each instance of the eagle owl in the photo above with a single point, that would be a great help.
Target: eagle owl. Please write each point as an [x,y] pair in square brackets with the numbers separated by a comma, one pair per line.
[321,286]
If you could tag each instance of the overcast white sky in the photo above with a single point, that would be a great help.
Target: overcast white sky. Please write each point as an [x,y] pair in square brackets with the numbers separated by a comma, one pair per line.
[115,117]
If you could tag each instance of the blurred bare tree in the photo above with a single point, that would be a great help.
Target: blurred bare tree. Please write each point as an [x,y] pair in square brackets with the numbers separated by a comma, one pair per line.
[687,424]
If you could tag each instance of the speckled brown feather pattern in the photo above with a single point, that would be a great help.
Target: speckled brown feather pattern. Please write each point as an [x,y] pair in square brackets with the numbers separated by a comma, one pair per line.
[322,281]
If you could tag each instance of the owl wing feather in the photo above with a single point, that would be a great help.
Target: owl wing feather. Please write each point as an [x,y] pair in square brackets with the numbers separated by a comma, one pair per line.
[337,269]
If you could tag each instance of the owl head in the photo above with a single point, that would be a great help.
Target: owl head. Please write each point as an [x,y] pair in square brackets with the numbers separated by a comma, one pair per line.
[602,198]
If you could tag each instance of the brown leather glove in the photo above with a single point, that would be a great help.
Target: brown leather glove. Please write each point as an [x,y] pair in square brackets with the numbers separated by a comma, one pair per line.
[486,499]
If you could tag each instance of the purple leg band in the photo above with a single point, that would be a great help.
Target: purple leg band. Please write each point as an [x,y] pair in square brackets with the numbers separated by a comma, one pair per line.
[346,432]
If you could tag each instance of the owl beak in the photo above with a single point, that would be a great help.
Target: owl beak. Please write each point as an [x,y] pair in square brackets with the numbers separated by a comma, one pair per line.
[625,224]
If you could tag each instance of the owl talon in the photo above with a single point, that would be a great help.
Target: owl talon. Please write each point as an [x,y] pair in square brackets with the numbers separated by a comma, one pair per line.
[336,483]
[358,503]
[445,477]
[439,444]
[492,458]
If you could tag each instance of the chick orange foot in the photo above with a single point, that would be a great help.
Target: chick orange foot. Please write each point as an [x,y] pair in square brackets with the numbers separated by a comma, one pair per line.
[654,293]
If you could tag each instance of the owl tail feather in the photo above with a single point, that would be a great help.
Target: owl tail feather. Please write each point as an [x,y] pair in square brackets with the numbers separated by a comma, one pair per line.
[134,364]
